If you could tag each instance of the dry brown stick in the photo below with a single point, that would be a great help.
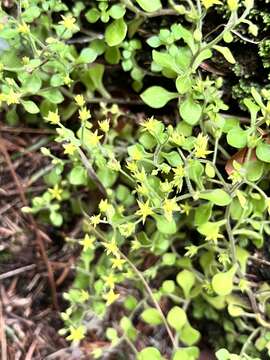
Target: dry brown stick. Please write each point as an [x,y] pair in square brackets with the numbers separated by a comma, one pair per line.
[25,130]
[17,271]
[34,225]
[3,334]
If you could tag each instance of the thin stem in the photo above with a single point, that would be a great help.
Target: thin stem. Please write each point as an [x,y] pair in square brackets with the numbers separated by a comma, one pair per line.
[145,284]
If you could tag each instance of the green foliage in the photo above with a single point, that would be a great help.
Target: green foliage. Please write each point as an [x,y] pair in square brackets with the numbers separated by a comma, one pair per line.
[178,193]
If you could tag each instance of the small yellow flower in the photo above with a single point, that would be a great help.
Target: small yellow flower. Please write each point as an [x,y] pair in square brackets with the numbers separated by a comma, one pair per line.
[67,80]
[185,208]
[110,281]
[103,205]
[200,146]
[79,99]
[118,263]
[144,210]
[111,297]
[88,242]
[208,3]
[25,60]
[56,192]
[132,166]
[69,22]
[12,98]
[69,149]
[151,125]
[111,248]
[104,125]
[95,220]
[84,296]
[84,114]
[76,334]
[136,155]
[93,138]
[53,117]
[169,206]
[23,28]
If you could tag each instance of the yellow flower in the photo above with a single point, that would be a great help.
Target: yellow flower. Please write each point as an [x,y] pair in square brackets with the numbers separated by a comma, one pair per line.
[118,263]
[79,99]
[56,192]
[23,28]
[67,80]
[111,248]
[132,166]
[69,22]
[25,60]
[69,149]
[95,220]
[110,281]
[12,98]
[103,205]
[169,206]
[84,296]
[208,3]
[144,210]
[76,334]
[84,114]
[151,125]
[200,146]
[93,138]
[186,208]
[87,242]
[53,117]
[111,297]
[104,125]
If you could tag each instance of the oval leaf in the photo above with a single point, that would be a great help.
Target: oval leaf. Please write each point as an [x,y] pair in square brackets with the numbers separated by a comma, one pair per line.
[149,6]
[157,96]
[218,197]
[116,32]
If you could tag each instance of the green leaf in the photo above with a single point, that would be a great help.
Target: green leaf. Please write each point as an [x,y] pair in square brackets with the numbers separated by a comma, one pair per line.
[205,54]
[157,96]
[32,83]
[186,280]
[189,335]
[254,170]
[165,226]
[203,213]
[195,171]
[78,175]
[177,318]
[96,75]
[56,218]
[53,95]
[165,60]
[87,56]
[237,137]
[183,84]
[92,15]
[107,176]
[226,52]
[190,111]
[31,13]
[223,354]
[117,11]
[218,197]
[190,353]
[149,353]
[168,286]
[116,32]
[151,316]
[173,158]
[222,283]
[149,6]
[30,107]
[263,152]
